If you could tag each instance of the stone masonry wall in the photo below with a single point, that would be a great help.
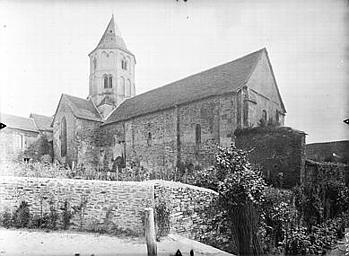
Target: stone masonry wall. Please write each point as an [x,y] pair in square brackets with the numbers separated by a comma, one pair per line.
[186,203]
[64,111]
[110,204]
[10,140]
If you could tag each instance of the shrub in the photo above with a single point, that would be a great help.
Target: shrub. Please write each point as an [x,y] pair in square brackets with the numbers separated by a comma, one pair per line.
[21,216]
[38,149]
[162,217]
[7,219]
[67,214]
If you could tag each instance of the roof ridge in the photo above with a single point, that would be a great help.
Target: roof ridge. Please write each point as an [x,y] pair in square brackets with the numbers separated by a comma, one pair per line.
[203,71]
[225,78]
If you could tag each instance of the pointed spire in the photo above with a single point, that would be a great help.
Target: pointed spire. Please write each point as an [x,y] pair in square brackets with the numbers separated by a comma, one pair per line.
[111,38]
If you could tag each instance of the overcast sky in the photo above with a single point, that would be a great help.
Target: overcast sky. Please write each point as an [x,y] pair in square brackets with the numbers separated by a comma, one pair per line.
[44,47]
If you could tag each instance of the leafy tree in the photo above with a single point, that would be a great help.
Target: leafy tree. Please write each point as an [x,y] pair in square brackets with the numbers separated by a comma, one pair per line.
[241,191]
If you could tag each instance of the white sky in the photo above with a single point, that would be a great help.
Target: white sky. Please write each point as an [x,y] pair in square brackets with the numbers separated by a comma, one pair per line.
[44,47]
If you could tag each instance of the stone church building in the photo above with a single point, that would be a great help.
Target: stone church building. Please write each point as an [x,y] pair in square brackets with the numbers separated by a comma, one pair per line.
[178,123]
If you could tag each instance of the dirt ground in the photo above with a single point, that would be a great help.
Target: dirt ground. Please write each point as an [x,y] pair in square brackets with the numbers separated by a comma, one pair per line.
[36,242]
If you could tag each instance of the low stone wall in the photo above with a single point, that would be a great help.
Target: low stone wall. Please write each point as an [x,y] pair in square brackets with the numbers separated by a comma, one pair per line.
[186,203]
[108,205]
[104,204]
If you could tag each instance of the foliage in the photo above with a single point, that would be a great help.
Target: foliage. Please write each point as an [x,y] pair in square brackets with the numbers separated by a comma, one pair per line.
[67,214]
[319,201]
[34,169]
[264,129]
[80,210]
[278,215]
[241,192]
[318,240]
[21,216]
[132,173]
[38,149]
[6,219]
[162,216]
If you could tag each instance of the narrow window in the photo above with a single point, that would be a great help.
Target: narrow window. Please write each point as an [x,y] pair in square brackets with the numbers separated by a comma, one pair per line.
[105,81]
[197,134]
[264,115]
[277,117]
[149,139]
[110,82]
[63,137]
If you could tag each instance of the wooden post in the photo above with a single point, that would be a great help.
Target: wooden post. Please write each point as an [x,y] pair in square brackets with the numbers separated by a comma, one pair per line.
[150,232]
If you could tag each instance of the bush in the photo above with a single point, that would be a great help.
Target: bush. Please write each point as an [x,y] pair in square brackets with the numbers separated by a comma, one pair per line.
[67,215]
[38,149]
[34,169]
[21,216]
[162,217]
[6,219]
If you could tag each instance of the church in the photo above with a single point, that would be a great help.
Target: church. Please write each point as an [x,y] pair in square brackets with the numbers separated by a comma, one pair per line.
[179,123]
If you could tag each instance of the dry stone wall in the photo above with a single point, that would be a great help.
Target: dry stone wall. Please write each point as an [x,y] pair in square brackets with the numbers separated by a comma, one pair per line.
[105,204]
[186,203]
[108,205]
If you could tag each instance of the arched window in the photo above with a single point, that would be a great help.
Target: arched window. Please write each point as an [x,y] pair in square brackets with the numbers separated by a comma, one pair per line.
[128,88]
[124,64]
[264,115]
[149,139]
[108,81]
[198,134]
[105,81]
[277,116]
[63,137]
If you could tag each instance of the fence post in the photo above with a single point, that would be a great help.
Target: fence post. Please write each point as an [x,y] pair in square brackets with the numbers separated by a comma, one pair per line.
[150,232]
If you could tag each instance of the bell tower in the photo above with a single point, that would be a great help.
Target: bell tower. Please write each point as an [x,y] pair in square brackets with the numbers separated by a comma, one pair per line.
[112,71]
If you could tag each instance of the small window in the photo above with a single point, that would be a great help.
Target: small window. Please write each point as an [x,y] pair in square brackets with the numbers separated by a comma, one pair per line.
[277,116]
[108,81]
[149,139]
[124,64]
[264,115]
[197,134]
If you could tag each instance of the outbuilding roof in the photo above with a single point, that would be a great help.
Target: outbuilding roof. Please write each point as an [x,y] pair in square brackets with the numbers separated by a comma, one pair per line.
[18,122]
[81,108]
[43,123]
[216,81]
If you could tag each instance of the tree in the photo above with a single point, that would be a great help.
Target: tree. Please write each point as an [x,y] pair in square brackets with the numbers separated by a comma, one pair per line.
[241,191]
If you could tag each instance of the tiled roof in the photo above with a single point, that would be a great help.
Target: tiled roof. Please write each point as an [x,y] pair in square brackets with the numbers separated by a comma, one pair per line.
[82,108]
[219,80]
[43,123]
[18,122]
[111,38]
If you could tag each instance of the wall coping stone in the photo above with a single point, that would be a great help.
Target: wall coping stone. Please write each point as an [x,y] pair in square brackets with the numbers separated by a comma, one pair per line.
[175,184]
